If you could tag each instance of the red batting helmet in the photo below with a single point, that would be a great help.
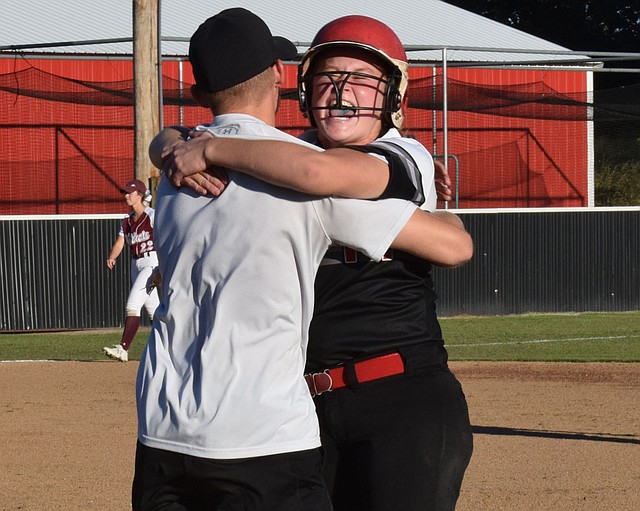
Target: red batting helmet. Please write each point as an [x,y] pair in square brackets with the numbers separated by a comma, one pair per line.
[367,34]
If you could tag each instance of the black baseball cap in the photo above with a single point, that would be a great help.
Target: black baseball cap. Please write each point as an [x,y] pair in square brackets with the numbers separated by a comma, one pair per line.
[233,46]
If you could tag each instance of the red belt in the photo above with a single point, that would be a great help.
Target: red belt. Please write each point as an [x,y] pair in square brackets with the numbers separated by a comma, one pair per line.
[366,370]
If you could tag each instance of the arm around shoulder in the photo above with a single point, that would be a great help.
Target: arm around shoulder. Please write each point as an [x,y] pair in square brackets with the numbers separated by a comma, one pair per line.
[448,217]
[163,141]
[339,172]
[442,241]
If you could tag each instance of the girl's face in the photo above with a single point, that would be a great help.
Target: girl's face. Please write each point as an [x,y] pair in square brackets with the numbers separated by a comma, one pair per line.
[132,198]
[354,75]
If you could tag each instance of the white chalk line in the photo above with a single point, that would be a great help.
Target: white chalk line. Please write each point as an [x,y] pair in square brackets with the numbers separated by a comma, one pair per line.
[534,341]
[39,360]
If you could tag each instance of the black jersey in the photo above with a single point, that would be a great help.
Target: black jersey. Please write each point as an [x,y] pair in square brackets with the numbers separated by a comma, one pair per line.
[363,307]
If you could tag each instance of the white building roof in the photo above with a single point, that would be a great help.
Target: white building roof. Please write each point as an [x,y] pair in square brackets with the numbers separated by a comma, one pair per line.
[423,23]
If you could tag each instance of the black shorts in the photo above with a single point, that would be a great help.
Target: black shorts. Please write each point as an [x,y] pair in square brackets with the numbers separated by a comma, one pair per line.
[177,482]
[397,443]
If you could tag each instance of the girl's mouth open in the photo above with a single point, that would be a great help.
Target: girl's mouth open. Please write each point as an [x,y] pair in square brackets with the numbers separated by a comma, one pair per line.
[343,111]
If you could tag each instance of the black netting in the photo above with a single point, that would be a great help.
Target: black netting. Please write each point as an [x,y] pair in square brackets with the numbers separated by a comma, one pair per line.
[68,143]
[530,100]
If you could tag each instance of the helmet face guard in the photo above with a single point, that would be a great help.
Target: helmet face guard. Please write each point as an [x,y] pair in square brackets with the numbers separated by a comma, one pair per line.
[391,105]
[372,36]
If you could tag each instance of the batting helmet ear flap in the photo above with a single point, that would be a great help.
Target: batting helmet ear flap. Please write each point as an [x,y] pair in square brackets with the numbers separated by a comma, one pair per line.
[302,92]
[393,97]
[304,97]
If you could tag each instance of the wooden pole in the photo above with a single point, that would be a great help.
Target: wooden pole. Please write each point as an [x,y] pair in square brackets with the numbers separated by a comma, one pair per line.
[145,77]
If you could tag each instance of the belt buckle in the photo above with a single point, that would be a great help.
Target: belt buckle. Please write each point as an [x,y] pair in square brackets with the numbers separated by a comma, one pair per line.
[322,383]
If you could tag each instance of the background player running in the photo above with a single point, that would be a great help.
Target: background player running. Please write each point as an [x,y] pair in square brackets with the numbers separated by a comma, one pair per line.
[136,231]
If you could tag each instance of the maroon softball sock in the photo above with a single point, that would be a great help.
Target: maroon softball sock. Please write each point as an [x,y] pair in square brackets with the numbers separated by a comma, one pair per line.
[131,324]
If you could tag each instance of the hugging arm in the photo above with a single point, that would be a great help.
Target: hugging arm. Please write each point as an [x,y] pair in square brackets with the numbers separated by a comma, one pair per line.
[443,241]
[443,181]
[338,172]
[211,180]
[437,237]
[164,142]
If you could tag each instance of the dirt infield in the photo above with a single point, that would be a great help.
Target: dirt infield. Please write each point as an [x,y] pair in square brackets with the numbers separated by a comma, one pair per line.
[559,437]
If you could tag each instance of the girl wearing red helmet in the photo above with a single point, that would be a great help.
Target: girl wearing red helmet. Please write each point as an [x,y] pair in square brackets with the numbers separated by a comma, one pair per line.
[393,417]
[357,36]
[404,440]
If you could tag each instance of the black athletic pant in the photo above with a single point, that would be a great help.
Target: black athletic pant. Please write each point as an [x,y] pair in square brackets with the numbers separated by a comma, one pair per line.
[398,443]
[169,481]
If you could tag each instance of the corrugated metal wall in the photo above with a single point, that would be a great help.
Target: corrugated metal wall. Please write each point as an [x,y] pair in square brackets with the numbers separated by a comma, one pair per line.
[53,273]
[569,261]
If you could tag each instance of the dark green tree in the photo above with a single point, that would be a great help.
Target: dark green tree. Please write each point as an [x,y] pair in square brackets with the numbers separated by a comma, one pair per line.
[590,26]
[587,25]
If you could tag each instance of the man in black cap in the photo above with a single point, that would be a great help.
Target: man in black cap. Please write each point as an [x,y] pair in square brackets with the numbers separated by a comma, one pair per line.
[225,418]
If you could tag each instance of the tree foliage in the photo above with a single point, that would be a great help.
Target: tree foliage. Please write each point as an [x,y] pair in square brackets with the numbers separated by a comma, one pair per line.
[587,25]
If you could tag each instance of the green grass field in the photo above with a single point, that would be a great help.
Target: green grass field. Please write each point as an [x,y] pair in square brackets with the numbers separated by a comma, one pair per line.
[586,337]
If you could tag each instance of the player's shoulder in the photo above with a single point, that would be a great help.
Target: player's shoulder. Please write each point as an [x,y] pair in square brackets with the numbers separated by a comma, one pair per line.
[407,150]
[393,139]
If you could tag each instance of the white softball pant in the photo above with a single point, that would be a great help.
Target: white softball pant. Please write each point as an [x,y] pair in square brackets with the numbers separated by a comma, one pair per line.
[141,270]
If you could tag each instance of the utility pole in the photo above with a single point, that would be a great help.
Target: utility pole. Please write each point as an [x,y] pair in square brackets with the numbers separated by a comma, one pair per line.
[146,89]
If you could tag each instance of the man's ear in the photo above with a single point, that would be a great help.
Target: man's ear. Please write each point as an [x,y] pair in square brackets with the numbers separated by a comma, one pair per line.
[278,71]
[199,95]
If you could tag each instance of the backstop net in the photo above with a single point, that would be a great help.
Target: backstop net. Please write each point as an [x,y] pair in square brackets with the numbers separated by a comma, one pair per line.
[512,137]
